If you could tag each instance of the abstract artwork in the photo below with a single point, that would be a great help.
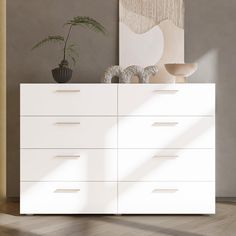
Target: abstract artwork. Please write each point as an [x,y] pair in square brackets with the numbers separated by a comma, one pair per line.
[151,33]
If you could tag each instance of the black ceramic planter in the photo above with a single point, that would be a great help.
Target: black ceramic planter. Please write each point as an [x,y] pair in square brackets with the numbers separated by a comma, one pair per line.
[63,73]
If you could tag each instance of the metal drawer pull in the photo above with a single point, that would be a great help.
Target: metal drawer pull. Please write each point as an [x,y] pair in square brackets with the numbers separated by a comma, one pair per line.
[165,190]
[162,156]
[166,91]
[68,156]
[66,190]
[67,123]
[165,124]
[68,91]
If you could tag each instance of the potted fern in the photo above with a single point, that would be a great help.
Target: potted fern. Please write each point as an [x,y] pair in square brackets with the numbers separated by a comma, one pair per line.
[63,73]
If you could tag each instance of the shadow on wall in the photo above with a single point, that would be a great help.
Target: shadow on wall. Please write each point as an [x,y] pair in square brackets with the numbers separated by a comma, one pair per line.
[210,38]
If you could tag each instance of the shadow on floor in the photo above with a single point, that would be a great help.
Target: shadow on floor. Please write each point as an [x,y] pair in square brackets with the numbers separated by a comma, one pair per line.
[148,227]
[6,231]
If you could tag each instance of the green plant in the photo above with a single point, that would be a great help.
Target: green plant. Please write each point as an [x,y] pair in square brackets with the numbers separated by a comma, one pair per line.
[70,50]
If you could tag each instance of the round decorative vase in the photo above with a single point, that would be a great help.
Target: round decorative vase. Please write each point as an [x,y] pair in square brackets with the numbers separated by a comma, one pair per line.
[181,71]
[63,73]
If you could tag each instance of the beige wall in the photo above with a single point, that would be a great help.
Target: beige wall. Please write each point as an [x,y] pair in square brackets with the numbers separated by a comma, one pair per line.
[28,21]
[210,38]
[2,100]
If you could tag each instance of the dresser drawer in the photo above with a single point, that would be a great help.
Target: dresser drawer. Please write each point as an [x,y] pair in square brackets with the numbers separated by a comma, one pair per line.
[166,165]
[166,99]
[68,165]
[68,132]
[68,99]
[68,197]
[166,198]
[166,132]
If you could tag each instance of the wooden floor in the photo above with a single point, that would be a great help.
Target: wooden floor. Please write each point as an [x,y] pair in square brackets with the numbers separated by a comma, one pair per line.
[221,224]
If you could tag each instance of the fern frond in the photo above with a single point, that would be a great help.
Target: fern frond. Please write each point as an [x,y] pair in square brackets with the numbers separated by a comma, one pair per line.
[72,49]
[87,22]
[72,53]
[49,39]
[74,60]
[72,46]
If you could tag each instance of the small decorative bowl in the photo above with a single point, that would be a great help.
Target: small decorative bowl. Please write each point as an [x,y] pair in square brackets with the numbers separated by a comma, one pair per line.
[181,70]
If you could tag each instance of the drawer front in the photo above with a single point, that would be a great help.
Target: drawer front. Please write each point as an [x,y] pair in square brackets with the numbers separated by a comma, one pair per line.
[166,99]
[166,198]
[166,165]
[68,132]
[68,99]
[68,197]
[166,132]
[68,165]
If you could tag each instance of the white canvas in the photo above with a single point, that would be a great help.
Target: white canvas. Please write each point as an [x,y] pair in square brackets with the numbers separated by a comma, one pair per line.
[151,33]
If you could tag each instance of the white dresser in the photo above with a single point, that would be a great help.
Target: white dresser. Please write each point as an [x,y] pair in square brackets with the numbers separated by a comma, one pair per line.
[117,149]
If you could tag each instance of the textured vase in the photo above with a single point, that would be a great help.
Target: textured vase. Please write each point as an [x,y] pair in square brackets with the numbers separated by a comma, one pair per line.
[63,73]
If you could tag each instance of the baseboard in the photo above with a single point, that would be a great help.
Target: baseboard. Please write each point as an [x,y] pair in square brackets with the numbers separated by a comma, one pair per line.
[13,199]
[226,199]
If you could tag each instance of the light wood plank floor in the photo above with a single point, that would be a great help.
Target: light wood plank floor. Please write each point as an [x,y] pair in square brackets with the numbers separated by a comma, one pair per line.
[221,224]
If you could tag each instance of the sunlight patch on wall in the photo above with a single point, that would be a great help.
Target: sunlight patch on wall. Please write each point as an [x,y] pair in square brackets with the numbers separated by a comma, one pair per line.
[208,68]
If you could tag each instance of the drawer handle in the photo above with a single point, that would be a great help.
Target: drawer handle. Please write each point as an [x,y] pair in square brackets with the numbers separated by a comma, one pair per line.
[67,156]
[165,124]
[166,91]
[67,123]
[165,190]
[68,91]
[66,190]
[162,156]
